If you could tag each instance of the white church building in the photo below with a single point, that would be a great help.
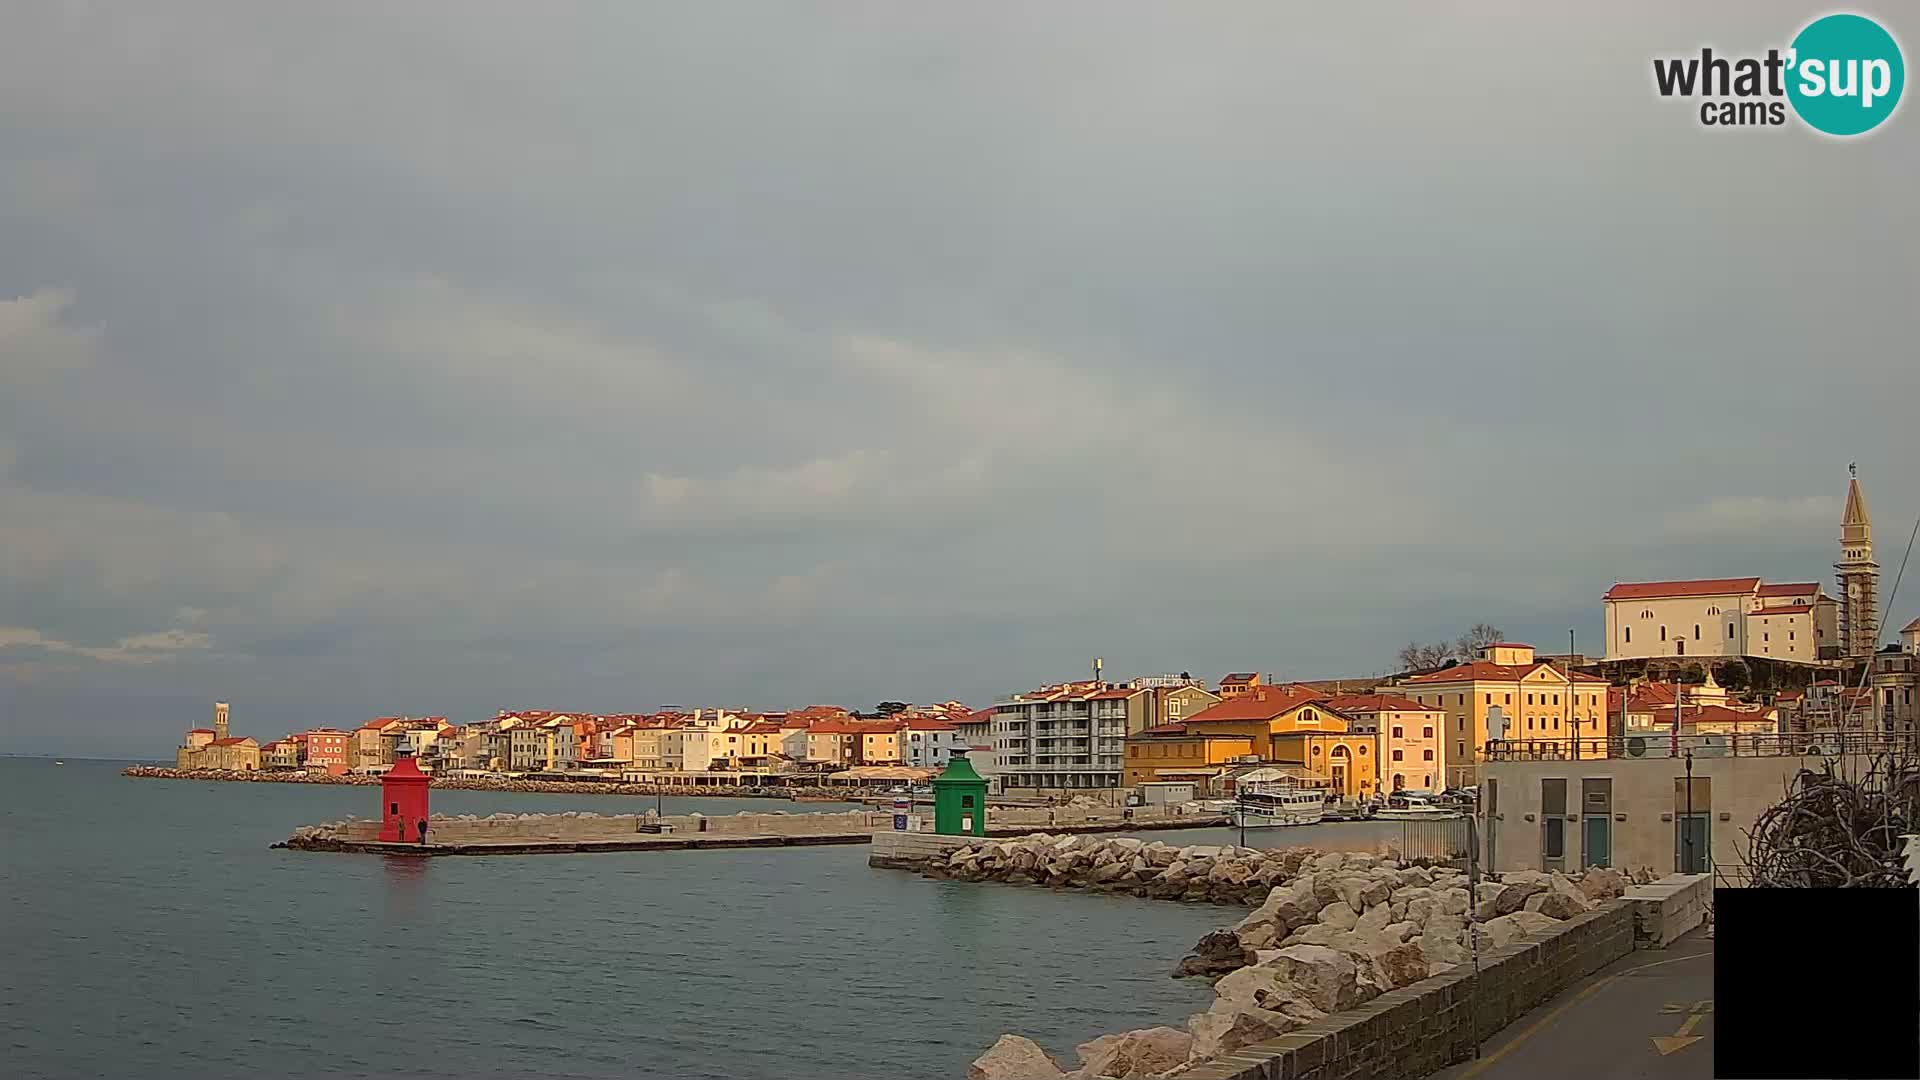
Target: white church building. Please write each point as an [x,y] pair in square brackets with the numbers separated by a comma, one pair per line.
[1721,617]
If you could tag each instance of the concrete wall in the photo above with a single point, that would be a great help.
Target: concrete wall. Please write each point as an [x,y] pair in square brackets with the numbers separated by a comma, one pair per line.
[1432,1024]
[1668,908]
[909,851]
[1646,793]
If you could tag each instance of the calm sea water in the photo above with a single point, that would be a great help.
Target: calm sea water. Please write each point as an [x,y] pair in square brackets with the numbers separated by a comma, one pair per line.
[150,932]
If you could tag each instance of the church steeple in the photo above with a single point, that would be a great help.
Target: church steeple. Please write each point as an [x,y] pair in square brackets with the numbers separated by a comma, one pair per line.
[1859,575]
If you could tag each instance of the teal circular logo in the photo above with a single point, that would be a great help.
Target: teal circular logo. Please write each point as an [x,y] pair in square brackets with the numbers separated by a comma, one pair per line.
[1845,74]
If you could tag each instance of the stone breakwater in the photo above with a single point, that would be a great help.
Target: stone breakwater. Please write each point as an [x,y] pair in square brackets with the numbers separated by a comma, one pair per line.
[524,787]
[1331,932]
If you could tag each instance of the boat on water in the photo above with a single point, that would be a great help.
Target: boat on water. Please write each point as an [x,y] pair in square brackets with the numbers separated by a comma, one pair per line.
[1405,807]
[1265,805]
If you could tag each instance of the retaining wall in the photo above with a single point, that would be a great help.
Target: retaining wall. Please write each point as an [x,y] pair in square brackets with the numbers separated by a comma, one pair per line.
[1430,1025]
[910,851]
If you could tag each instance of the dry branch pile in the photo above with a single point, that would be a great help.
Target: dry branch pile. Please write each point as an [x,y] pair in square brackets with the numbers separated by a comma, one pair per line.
[1834,831]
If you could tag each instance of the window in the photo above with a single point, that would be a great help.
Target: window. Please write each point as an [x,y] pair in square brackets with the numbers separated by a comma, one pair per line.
[1729,631]
[1427,754]
[1789,635]
[1426,733]
[1646,613]
[1460,750]
[1556,838]
[1397,755]
[1713,611]
[1463,699]
[1489,699]
[1765,637]
[1629,633]
[1663,633]
[1556,699]
[1509,700]
[1529,723]
[1363,749]
[1529,699]
[1429,781]
[1696,631]
[1397,731]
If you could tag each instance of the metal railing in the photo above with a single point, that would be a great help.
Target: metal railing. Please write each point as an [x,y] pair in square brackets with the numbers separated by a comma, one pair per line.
[1661,745]
[1442,840]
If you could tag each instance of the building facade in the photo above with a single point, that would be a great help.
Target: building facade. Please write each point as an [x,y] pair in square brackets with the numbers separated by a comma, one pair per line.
[1068,737]
[1293,727]
[1506,694]
[1896,682]
[1406,737]
[1721,617]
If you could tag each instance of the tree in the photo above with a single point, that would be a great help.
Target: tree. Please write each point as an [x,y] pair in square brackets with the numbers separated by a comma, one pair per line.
[1476,638]
[1733,676]
[889,708]
[1415,655]
[1693,675]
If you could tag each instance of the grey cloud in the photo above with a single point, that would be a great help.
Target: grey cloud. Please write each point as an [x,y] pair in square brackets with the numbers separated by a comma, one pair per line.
[463,355]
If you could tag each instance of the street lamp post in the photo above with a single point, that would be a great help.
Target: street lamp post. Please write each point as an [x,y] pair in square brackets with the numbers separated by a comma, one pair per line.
[1686,829]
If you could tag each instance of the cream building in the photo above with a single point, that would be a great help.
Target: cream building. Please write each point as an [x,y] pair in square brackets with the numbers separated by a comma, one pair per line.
[1407,737]
[1721,617]
[1507,694]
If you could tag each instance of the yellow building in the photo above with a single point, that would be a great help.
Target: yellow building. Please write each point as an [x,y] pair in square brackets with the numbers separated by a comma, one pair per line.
[1524,699]
[210,748]
[1279,725]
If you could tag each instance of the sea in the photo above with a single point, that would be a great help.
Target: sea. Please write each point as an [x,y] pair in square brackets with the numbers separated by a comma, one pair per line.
[150,931]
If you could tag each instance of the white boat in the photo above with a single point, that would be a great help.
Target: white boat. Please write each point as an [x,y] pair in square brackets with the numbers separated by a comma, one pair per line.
[1264,805]
[1414,808]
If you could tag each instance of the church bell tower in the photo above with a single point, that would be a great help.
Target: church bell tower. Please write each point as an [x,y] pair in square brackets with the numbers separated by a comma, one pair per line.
[219,720]
[1859,575]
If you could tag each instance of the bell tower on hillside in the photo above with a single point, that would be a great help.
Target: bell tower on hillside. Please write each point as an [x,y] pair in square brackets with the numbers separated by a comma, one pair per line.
[219,720]
[1859,575]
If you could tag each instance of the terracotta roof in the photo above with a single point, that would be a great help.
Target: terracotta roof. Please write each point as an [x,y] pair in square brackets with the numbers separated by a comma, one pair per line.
[1240,676]
[1488,671]
[1509,645]
[1260,703]
[834,727]
[200,731]
[1798,588]
[1654,590]
[1784,609]
[1912,627]
[231,742]
[1177,727]
[923,723]
[1377,703]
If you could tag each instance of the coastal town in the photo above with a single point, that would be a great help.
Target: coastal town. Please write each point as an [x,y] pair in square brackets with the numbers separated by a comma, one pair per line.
[1738,675]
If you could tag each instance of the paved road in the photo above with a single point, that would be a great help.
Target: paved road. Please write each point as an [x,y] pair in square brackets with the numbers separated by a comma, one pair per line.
[1647,1015]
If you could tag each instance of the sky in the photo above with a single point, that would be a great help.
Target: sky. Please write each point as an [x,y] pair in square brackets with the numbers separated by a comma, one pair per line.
[441,358]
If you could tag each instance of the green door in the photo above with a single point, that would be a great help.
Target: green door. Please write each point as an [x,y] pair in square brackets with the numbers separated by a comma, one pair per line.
[1598,846]
[1691,854]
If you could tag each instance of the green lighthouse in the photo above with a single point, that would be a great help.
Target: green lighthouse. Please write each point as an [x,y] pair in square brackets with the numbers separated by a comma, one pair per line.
[960,799]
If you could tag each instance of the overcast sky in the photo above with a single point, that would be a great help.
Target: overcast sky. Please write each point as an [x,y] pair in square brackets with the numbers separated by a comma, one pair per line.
[362,359]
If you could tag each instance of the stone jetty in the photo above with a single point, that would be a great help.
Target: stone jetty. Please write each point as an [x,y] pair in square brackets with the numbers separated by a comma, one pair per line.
[798,792]
[1330,931]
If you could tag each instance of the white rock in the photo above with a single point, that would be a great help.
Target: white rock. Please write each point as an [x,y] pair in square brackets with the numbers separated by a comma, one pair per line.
[1135,1055]
[1013,1057]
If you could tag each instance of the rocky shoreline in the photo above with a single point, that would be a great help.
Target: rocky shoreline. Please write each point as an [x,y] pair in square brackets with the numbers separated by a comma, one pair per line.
[1330,932]
[524,787]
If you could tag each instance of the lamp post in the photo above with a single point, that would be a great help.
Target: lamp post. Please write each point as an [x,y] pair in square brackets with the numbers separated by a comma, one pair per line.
[1573,731]
[1686,829]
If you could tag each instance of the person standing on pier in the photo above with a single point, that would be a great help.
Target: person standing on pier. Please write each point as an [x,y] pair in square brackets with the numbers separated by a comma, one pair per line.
[423,830]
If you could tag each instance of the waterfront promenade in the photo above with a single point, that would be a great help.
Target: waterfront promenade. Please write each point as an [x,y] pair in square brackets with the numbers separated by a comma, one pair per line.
[1646,1016]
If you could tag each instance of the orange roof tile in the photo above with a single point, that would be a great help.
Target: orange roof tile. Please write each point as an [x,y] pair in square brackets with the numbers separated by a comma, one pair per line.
[1798,588]
[1654,590]
[1260,703]
[1488,671]
[1377,703]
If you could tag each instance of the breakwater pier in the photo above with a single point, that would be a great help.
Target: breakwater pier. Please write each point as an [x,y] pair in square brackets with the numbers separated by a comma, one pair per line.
[581,833]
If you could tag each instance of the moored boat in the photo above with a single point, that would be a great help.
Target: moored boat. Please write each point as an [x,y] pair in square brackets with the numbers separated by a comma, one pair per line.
[1266,805]
[1404,807]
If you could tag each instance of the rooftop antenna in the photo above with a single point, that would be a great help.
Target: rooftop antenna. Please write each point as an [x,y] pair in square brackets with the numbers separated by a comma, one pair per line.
[1097,664]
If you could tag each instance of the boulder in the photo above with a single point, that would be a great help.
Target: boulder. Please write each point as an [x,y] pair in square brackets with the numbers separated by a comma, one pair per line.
[1265,986]
[1230,872]
[1215,954]
[1325,977]
[1443,950]
[1135,1055]
[1600,883]
[1373,920]
[1216,1033]
[1399,931]
[1451,901]
[1340,915]
[1514,897]
[1507,927]
[1404,964]
[1332,860]
[1013,1057]
[1562,900]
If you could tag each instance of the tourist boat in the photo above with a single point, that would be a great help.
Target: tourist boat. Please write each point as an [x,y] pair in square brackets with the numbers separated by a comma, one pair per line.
[1263,805]
[1404,807]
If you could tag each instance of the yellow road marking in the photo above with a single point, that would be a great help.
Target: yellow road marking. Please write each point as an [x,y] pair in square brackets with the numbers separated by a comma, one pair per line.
[1681,1039]
[1477,1067]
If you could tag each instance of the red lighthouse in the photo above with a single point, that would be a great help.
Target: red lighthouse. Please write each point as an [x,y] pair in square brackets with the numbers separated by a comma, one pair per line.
[403,802]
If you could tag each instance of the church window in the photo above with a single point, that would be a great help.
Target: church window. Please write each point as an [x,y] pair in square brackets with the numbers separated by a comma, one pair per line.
[1629,633]
[1646,613]
[1729,631]
[1663,633]
[1713,611]
[1696,631]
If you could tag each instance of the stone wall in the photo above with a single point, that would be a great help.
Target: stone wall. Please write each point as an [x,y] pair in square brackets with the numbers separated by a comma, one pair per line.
[1665,909]
[1422,1028]
[912,850]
